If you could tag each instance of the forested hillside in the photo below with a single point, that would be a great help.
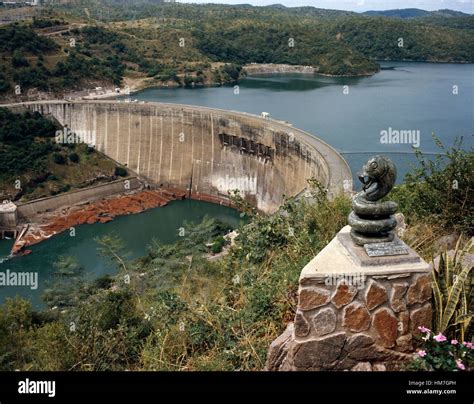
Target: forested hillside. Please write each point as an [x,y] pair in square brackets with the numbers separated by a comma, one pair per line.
[33,165]
[87,43]
[379,38]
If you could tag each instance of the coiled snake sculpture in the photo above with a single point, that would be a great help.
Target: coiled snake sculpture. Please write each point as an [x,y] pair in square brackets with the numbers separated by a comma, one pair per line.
[373,221]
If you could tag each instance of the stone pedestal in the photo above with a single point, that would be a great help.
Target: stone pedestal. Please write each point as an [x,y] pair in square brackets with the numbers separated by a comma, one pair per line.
[354,311]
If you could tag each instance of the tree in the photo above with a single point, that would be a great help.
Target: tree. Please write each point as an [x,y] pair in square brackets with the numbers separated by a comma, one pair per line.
[112,247]
[18,59]
[64,290]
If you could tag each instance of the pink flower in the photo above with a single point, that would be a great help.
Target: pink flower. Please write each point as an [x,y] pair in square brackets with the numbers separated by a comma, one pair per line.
[424,329]
[421,353]
[460,365]
[439,338]
[454,342]
[470,345]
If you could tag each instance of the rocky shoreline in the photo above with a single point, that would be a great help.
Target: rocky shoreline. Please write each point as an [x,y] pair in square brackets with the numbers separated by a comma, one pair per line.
[100,211]
[256,69]
[270,68]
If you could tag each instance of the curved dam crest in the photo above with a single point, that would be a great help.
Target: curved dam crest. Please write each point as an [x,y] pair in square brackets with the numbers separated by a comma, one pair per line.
[204,150]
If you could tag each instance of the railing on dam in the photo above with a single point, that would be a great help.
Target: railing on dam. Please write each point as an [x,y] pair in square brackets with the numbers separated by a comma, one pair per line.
[188,147]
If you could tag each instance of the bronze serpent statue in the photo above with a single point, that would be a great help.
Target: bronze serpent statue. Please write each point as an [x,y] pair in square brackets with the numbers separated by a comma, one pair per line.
[373,221]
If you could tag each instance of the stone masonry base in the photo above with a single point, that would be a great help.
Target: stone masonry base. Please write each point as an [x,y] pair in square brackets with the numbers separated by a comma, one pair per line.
[355,317]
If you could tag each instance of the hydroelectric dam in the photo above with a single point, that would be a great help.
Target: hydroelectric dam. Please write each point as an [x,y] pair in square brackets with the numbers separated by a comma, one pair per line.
[203,150]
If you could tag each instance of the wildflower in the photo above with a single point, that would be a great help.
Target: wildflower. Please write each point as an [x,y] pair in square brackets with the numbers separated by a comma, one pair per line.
[440,338]
[421,353]
[460,365]
[424,329]
[454,342]
[470,345]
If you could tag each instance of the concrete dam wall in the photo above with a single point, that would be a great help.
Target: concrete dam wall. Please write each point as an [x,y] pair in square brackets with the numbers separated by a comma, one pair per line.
[203,150]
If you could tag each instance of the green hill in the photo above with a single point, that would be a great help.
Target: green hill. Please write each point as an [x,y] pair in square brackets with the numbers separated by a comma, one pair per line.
[147,43]
[378,37]
[34,165]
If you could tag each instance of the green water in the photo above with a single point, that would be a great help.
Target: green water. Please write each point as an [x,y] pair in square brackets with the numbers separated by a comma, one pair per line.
[135,230]
[406,96]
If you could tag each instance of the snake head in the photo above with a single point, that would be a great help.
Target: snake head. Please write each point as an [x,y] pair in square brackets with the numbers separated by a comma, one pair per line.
[377,176]
[370,172]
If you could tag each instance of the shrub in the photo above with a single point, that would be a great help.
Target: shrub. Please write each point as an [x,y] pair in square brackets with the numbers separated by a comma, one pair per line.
[104,282]
[4,84]
[74,158]
[218,245]
[59,158]
[19,60]
[452,290]
[440,190]
[441,353]
[120,172]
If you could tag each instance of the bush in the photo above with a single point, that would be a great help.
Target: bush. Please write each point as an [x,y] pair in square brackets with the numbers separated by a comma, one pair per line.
[453,293]
[74,158]
[218,245]
[104,282]
[59,158]
[18,60]
[120,172]
[4,84]
[443,354]
[440,190]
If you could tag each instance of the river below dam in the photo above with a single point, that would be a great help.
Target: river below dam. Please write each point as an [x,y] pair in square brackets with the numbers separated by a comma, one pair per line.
[136,231]
[348,113]
[422,98]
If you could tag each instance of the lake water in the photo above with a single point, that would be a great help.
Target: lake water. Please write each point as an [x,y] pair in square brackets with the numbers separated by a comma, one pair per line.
[136,231]
[404,96]
[408,96]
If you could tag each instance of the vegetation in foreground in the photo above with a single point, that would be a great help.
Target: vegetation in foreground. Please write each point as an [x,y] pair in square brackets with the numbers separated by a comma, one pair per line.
[34,165]
[449,345]
[175,310]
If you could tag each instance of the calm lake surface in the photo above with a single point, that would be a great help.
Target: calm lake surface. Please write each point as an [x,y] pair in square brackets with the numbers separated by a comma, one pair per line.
[405,96]
[135,230]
